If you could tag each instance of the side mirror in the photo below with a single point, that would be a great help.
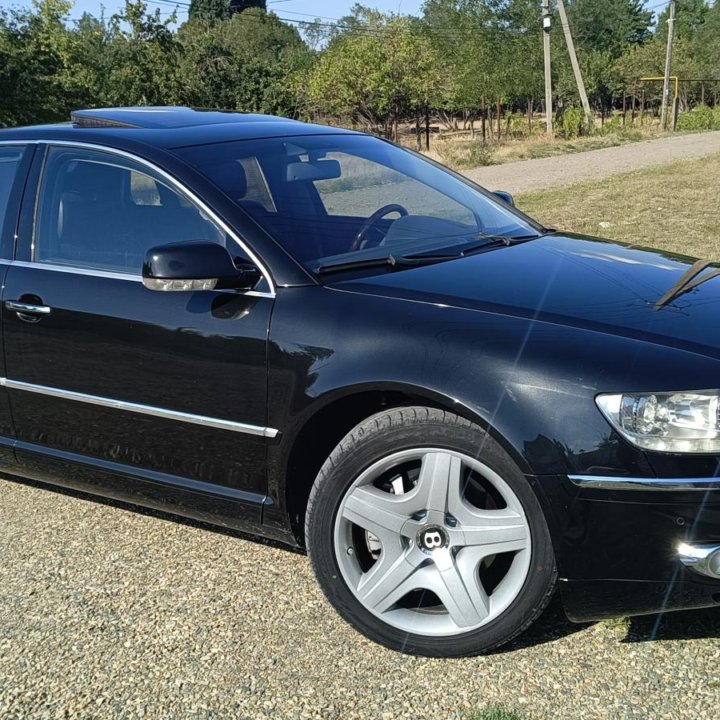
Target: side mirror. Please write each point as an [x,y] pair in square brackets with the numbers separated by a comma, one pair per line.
[196,266]
[506,197]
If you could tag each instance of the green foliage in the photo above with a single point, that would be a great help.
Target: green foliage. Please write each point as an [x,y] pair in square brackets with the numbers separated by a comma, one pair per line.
[461,154]
[245,63]
[612,125]
[460,58]
[376,77]
[609,25]
[238,6]
[209,10]
[689,17]
[700,118]
[571,123]
[499,713]
[518,127]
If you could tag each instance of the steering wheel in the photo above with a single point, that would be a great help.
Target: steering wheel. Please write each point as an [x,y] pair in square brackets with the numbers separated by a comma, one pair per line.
[373,220]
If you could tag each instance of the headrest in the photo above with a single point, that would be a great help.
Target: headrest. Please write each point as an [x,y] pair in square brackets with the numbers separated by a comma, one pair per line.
[93,180]
[230,176]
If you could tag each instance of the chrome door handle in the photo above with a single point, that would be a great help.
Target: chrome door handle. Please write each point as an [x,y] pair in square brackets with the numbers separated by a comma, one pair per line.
[27,308]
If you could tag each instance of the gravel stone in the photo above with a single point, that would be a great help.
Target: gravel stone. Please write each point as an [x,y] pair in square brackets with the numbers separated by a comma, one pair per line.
[107,612]
[524,176]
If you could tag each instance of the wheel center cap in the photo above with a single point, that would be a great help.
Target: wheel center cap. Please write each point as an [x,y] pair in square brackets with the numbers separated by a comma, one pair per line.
[432,537]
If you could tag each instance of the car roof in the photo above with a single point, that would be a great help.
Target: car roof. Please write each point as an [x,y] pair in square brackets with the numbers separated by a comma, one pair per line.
[167,127]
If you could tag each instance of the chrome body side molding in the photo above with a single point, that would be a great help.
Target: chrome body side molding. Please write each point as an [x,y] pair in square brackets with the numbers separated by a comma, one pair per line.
[203,420]
[600,482]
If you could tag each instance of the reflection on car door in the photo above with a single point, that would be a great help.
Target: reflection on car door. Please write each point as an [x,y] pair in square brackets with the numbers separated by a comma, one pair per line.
[166,386]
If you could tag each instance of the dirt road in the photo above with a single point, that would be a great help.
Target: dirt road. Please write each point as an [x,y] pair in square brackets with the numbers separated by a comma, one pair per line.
[528,175]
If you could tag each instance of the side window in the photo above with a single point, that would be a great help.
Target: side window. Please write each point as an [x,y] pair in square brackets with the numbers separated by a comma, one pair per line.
[9,163]
[364,186]
[100,211]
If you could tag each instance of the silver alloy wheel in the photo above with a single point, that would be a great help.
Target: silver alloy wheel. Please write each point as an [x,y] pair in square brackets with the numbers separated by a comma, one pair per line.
[435,543]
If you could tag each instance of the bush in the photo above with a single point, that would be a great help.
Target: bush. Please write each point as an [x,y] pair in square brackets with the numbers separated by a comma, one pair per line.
[700,118]
[463,153]
[571,123]
[612,125]
[629,134]
[517,126]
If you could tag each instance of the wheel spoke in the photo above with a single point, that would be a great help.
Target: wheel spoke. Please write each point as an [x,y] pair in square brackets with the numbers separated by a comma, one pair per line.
[507,533]
[439,478]
[430,542]
[389,579]
[376,511]
[459,589]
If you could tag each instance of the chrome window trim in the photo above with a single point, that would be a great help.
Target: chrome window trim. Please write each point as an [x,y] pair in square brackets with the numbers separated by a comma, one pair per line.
[170,179]
[75,270]
[600,482]
[203,420]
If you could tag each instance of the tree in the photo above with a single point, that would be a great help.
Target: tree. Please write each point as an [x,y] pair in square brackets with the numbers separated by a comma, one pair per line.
[245,62]
[707,44]
[141,59]
[689,17]
[609,25]
[209,10]
[376,75]
[466,55]
[36,48]
[238,6]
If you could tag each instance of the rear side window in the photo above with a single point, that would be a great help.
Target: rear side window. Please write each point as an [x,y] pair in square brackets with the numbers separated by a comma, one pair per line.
[9,163]
[101,211]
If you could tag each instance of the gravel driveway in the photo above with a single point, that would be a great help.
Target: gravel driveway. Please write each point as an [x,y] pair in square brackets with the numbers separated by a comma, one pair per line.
[528,175]
[110,613]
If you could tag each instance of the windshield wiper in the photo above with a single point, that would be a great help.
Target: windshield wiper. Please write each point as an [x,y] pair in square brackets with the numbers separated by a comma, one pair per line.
[487,242]
[402,261]
[490,241]
[687,282]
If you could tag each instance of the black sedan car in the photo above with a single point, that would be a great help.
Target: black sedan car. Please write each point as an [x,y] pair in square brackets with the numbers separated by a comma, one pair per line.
[316,336]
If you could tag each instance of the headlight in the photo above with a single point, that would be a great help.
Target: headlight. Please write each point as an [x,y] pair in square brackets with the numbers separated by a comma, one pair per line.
[679,422]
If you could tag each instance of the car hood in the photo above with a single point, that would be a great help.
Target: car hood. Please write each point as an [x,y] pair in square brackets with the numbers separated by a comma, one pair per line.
[570,280]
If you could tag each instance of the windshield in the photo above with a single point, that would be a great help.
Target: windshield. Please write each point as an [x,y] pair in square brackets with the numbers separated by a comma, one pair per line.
[337,200]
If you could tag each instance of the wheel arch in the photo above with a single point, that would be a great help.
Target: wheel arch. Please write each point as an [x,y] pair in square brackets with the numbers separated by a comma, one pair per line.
[330,418]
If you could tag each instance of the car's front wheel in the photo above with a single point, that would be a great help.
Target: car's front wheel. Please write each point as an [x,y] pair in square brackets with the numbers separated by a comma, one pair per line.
[426,537]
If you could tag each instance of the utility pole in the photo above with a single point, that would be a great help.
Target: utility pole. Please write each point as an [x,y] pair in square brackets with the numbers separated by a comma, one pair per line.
[546,23]
[668,62]
[574,62]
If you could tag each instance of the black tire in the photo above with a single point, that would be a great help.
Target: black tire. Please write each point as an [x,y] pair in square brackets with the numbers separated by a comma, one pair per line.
[383,435]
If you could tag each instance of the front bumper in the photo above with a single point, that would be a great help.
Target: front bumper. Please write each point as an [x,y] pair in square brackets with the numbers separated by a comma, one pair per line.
[619,540]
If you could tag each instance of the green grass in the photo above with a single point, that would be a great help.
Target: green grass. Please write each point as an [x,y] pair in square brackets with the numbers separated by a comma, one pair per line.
[672,207]
[499,713]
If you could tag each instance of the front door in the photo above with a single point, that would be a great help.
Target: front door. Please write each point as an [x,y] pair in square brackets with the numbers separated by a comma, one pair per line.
[168,387]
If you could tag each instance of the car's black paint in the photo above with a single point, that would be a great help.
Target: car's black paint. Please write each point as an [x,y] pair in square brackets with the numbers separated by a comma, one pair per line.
[200,260]
[519,340]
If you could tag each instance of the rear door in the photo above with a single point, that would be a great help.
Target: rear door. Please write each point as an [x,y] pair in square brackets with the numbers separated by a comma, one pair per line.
[14,162]
[102,372]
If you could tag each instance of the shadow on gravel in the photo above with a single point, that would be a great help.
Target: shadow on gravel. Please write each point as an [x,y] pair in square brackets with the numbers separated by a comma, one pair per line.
[551,625]
[150,512]
[682,625]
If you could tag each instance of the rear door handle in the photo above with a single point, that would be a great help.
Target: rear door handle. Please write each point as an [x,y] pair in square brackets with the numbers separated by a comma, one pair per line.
[29,308]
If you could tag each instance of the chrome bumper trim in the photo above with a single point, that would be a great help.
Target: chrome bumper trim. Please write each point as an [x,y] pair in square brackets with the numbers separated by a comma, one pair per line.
[702,559]
[600,482]
[203,420]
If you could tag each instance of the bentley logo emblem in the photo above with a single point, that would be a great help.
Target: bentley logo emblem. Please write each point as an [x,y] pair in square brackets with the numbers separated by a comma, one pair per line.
[431,538]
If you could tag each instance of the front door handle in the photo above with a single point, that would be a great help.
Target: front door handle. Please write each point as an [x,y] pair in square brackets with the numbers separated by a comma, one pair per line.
[27,308]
